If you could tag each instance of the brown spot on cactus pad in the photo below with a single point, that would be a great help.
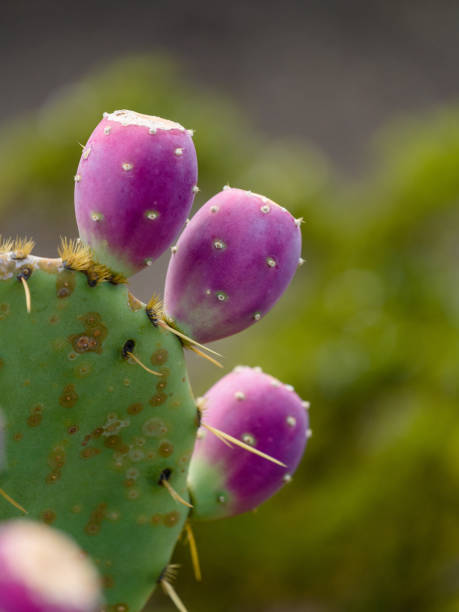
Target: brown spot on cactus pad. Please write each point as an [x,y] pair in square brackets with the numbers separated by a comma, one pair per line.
[89,451]
[92,529]
[165,449]
[158,399]
[65,284]
[48,516]
[92,338]
[159,357]
[93,526]
[83,370]
[161,385]
[114,442]
[4,311]
[107,581]
[171,519]
[154,427]
[56,461]
[68,396]
[34,420]
[135,408]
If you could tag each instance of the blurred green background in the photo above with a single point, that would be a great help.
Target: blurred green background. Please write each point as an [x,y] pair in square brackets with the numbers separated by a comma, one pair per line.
[368,332]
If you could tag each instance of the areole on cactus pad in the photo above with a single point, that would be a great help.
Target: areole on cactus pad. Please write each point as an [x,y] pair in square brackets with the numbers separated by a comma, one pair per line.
[100,422]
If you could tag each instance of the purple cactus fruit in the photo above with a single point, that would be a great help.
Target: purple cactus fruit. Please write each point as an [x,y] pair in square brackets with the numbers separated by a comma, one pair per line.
[265,414]
[134,188]
[42,570]
[231,264]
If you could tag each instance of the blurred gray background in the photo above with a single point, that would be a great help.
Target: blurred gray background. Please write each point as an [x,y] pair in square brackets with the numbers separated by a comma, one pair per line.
[328,71]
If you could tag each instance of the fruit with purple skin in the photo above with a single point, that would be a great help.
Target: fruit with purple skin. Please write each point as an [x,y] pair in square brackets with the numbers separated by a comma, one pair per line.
[261,412]
[42,570]
[231,264]
[134,188]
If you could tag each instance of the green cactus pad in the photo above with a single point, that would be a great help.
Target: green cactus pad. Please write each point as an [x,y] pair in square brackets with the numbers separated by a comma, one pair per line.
[88,431]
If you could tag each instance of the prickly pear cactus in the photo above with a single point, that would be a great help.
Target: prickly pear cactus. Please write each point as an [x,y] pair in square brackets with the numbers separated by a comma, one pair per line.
[100,422]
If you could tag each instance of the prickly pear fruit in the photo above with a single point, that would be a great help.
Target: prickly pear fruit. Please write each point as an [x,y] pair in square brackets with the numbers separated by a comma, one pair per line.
[258,410]
[134,188]
[42,570]
[231,264]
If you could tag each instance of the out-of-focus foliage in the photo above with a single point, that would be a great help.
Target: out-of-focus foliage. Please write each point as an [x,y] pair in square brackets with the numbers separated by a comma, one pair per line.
[368,331]
[39,152]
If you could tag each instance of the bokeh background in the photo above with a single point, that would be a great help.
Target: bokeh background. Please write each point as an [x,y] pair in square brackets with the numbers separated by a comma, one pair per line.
[347,113]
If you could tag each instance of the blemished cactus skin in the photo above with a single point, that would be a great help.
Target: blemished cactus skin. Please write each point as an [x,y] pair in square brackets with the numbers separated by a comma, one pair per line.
[134,188]
[2,443]
[231,264]
[261,411]
[100,419]
[42,570]
[89,432]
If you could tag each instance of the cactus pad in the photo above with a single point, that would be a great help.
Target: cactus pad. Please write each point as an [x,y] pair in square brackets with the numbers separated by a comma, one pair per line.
[89,432]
